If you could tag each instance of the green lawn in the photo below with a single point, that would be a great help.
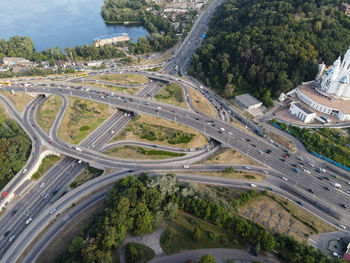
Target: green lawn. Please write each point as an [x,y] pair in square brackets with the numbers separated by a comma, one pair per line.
[45,165]
[138,253]
[179,235]
[172,93]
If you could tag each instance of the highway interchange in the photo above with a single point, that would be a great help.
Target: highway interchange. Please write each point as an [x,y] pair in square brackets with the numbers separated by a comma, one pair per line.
[55,182]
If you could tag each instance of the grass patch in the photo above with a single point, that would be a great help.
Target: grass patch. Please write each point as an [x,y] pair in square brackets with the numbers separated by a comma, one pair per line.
[79,115]
[19,99]
[282,141]
[179,235]
[115,88]
[135,152]
[277,214]
[173,94]
[201,103]
[45,165]
[230,156]
[135,252]
[88,174]
[148,128]
[234,175]
[46,114]
[127,79]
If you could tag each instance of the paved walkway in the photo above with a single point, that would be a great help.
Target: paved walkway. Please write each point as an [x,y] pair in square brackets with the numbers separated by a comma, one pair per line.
[220,255]
[151,240]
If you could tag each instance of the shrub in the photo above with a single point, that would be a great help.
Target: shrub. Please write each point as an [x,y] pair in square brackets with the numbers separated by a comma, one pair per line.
[196,233]
[212,235]
[84,128]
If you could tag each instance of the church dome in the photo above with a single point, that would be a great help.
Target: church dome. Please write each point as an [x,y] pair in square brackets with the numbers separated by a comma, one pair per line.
[343,80]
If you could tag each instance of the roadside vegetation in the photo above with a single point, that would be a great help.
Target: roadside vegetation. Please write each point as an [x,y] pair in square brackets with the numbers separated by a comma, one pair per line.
[15,148]
[88,174]
[47,113]
[148,128]
[81,118]
[268,47]
[45,165]
[135,252]
[331,143]
[130,90]
[173,94]
[229,172]
[282,140]
[230,156]
[19,99]
[125,79]
[198,218]
[201,103]
[136,152]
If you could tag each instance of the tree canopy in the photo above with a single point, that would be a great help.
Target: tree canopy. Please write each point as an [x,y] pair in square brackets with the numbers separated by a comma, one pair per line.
[266,47]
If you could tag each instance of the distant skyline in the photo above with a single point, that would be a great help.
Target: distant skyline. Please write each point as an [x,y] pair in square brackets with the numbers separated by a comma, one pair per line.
[63,23]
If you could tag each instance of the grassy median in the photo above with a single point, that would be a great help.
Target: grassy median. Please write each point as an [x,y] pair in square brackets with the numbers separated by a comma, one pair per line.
[126,79]
[173,94]
[47,113]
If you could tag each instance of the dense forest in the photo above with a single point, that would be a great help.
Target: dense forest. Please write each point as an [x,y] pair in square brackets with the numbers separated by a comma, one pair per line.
[139,205]
[266,47]
[161,35]
[15,147]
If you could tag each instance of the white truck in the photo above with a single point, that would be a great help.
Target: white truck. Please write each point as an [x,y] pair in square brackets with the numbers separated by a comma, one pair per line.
[78,149]
[336,185]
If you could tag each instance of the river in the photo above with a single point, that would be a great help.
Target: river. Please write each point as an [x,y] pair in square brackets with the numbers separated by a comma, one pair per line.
[62,23]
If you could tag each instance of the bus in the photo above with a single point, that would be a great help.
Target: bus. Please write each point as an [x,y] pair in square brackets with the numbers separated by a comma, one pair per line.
[5,83]
[81,75]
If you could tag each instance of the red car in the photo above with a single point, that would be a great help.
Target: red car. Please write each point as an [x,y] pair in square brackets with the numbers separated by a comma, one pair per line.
[285,156]
[50,141]
[4,194]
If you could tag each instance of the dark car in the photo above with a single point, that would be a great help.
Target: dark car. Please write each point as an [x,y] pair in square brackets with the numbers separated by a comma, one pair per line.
[344,206]
[7,233]
[14,212]
[310,190]
[326,178]
[268,151]
[248,140]
[253,145]
[300,203]
[282,160]
[327,188]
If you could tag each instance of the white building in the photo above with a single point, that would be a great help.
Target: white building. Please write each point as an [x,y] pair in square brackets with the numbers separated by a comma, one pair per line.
[336,80]
[248,101]
[301,112]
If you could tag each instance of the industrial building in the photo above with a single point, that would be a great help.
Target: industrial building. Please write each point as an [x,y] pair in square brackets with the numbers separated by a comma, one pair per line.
[248,102]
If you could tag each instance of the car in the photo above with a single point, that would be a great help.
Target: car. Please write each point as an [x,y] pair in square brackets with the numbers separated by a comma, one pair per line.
[253,185]
[326,178]
[296,170]
[261,152]
[335,254]
[265,172]
[306,171]
[186,166]
[311,164]
[112,132]
[300,203]
[283,160]
[247,168]
[327,188]
[347,191]
[7,233]
[42,185]
[284,178]
[159,108]
[29,220]
[344,206]
[334,176]
[285,155]
[341,226]
[4,194]
[222,129]
[253,145]
[268,151]
[300,158]
[80,161]
[52,211]
[230,133]
[248,140]
[50,141]
[270,189]
[11,238]
[25,170]
[310,190]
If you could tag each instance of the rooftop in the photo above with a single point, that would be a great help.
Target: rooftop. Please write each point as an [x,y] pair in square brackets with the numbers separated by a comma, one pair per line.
[111,36]
[303,108]
[247,100]
[308,90]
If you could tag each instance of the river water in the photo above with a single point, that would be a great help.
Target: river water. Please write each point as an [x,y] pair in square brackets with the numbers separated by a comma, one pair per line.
[62,23]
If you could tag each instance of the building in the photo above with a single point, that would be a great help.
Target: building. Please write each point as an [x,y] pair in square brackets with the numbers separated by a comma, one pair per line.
[302,112]
[10,61]
[347,253]
[248,102]
[345,8]
[116,38]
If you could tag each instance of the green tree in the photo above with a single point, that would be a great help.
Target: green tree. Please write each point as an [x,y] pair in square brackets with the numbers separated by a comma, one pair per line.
[207,259]
[196,233]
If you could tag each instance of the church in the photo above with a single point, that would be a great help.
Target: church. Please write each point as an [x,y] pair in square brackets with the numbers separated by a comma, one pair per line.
[328,94]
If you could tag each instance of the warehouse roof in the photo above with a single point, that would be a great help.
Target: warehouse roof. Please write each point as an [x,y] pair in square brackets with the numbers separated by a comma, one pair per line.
[247,100]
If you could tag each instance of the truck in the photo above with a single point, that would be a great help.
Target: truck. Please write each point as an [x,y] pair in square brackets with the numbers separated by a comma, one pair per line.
[260,133]
[336,185]
[78,149]
[325,119]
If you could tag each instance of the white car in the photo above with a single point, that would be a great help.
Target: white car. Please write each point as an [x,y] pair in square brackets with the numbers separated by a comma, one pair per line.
[112,132]
[247,168]
[159,108]
[42,185]
[29,220]
[11,238]
[284,178]
[186,166]
[253,185]
[307,171]
[311,164]
[25,170]
[52,211]
[261,152]
[222,129]
[341,226]
[266,172]
[230,133]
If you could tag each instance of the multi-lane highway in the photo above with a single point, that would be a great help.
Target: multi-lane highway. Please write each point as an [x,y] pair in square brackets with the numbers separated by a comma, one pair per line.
[324,200]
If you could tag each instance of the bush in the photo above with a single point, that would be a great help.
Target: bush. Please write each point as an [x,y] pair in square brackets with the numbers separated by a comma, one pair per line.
[137,252]
[212,235]
[196,233]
